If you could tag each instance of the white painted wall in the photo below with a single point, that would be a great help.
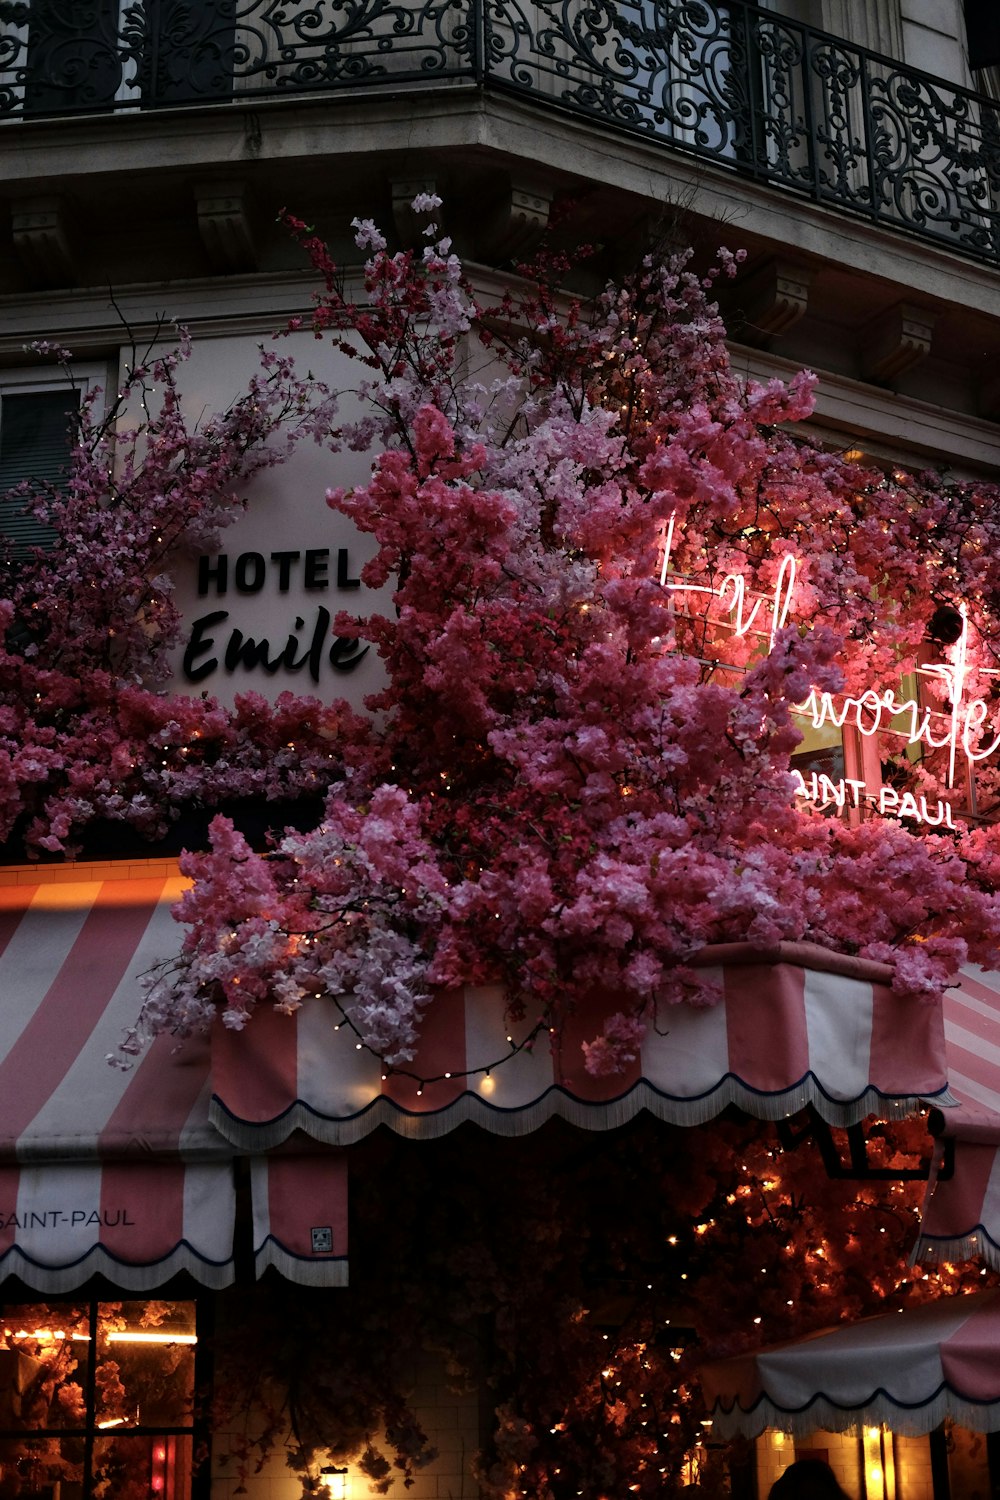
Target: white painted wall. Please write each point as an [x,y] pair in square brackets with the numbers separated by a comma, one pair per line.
[928,34]
[934,38]
[287,513]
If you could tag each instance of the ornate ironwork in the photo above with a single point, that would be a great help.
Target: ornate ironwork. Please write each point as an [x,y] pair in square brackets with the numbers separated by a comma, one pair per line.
[68,56]
[753,91]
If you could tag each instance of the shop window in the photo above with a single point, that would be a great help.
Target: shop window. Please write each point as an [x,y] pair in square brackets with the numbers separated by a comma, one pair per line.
[97,1399]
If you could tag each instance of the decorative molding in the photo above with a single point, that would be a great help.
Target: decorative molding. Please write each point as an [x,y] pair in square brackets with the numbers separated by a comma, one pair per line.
[41,239]
[900,339]
[224,226]
[775,297]
[888,426]
[518,219]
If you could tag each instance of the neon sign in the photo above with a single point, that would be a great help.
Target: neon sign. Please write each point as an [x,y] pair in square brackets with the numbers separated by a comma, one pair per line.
[956,728]
[965,716]
[779,606]
[847,791]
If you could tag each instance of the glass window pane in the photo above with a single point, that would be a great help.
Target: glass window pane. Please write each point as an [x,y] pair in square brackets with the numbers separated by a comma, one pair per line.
[142,1377]
[42,1468]
[35,443]
[130,1467]
[145,1364]
[44,1351]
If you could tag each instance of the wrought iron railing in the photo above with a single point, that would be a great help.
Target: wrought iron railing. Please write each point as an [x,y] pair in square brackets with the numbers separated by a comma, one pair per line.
[756,93]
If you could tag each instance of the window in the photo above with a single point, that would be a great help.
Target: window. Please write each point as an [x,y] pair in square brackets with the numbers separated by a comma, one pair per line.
[37,410]
[97,1399]
[35,443]
[71,63]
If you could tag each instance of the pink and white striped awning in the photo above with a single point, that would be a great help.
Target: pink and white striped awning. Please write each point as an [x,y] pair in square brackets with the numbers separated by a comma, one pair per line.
[103,1171]
[909,1370]
[300,1216]
[797,1025]
[132,1174]
[961,1216]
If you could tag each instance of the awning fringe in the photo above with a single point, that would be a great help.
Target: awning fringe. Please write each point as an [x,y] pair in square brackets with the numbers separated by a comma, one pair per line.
[555,1102]
[976,1245]
[330,1272]
[824,1415]
[54,1280]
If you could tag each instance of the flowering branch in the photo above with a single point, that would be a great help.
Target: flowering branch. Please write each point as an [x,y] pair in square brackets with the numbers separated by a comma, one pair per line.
[578,772]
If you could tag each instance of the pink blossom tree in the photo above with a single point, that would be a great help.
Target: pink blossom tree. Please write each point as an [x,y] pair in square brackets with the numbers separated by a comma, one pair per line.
[576,778]
[572,781]
[88,726]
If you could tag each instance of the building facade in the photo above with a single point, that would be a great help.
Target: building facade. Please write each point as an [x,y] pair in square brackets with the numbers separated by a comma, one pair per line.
[851,148]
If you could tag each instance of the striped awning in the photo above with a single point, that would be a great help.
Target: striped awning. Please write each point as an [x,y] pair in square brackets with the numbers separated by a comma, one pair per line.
[909,1370]
[112,1172]
[300,1216]
[131,1174]
[961,1216]
[797,1025]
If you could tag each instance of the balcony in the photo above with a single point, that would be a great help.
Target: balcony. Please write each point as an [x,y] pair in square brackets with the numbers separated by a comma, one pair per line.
[756,94]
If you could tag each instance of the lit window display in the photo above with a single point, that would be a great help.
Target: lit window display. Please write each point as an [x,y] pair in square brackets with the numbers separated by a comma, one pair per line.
[97,1400]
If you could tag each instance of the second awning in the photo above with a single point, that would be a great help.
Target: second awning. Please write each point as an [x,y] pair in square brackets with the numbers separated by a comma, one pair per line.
[961,1215]
[910,1370]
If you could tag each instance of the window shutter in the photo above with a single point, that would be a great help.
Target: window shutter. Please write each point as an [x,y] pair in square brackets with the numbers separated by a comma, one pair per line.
[35,443]
[982,29]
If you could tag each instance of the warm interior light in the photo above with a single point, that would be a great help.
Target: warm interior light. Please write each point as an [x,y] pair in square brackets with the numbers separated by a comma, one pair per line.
[880,1466]
[334,1481]
[40,1335]
[130,1337]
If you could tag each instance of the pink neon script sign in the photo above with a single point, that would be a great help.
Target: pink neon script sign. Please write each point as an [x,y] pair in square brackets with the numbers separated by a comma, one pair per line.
[735,584]
[964,718]
[872,710]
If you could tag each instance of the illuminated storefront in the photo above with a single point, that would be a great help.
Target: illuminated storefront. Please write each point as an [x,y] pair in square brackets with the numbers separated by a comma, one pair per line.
[98,1399]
